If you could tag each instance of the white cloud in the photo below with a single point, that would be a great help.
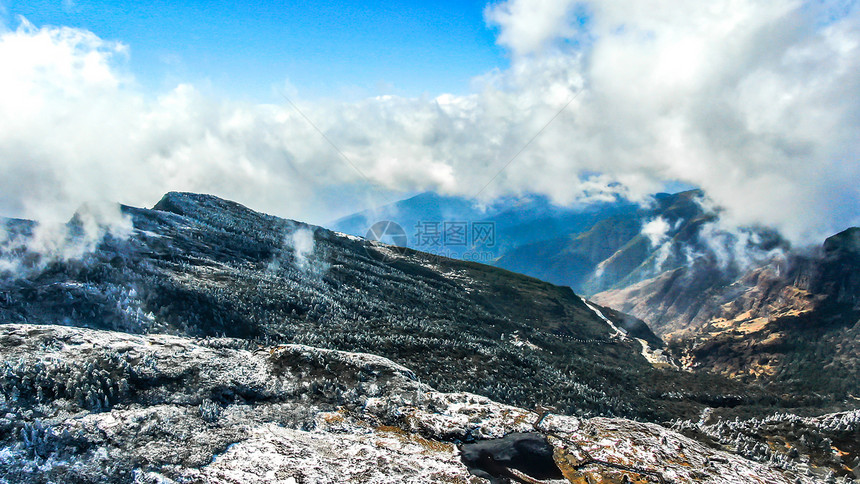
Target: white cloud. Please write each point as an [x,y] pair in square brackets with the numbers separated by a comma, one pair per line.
[657,231]
[729,248]
[754,101]
[527,27]
[302,242]
[51,242]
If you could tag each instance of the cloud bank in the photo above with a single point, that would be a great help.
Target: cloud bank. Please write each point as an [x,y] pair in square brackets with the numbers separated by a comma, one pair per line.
[29,250]
[754,101]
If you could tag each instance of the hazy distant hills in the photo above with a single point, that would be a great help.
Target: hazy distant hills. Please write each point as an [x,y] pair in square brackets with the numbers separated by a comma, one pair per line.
[408,213]
[515,223]
[614,251]
[589,248]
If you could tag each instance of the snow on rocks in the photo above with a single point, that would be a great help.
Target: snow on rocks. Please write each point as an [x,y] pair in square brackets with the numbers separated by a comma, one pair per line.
[218,410]
[386,454]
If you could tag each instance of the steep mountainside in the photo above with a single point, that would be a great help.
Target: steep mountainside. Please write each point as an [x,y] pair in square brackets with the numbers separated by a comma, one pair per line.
[794,322]
[83,405]
[199,266]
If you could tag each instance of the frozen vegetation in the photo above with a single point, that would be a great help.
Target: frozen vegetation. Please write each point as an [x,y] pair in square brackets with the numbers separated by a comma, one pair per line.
[167,409]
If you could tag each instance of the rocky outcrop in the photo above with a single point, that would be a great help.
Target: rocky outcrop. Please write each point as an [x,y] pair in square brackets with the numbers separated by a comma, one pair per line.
[792,324]
[85,405]
[825,447]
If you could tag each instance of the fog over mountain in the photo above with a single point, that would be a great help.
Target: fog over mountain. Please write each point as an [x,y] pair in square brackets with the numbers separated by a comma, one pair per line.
[755,102]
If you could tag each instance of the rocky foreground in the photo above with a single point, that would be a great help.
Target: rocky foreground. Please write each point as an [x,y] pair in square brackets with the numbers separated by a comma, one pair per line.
[82,405]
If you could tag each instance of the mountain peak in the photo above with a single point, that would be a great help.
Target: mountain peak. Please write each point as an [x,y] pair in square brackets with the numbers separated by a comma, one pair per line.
[187,203]
[225,215]
[846,241]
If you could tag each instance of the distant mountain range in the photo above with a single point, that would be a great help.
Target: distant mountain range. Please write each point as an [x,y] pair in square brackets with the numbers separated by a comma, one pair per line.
[794,320]
[614,250]
[513,222]
[590,248]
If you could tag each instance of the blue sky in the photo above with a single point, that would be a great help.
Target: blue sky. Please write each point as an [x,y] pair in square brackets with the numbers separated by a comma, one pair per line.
[341,49]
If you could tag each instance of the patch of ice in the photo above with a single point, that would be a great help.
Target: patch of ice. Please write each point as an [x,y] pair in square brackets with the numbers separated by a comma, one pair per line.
[616,330]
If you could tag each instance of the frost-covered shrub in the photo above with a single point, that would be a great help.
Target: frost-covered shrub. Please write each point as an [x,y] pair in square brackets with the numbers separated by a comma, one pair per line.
[210,411]
[41,441]
[96,385]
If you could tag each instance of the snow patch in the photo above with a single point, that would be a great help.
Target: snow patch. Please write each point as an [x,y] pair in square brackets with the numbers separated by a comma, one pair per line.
[350,237]
[616,331]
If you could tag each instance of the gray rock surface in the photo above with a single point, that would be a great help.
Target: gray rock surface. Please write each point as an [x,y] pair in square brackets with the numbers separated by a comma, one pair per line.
[83,405]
